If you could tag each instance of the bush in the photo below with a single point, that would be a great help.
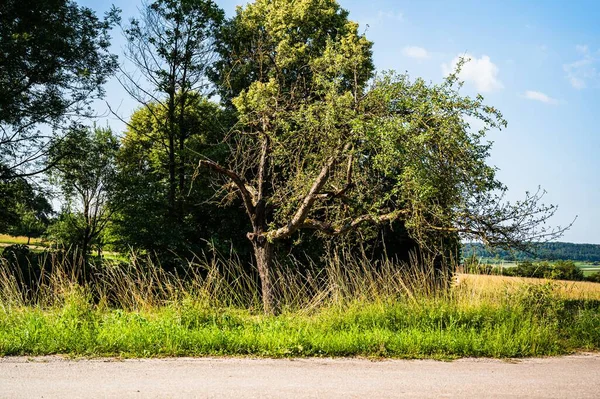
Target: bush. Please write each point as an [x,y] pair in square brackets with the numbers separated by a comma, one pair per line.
[594,278]
[560,270]
[22,264]
[566,270]
[536,270]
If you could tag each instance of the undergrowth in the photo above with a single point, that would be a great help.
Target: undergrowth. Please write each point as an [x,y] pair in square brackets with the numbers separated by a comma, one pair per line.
[349,308]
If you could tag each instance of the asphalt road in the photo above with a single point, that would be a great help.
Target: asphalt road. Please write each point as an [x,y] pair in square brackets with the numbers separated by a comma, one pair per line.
[54,377]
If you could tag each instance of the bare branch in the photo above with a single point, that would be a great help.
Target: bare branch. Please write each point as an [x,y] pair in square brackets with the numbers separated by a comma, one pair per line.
[237,180]
[332,230]
[307,203]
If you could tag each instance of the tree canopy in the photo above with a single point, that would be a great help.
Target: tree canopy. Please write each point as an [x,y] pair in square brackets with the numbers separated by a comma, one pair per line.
[323,144]
[54,60]
[143,219]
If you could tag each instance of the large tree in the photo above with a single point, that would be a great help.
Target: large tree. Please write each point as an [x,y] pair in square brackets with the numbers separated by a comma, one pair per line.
[171,46]
[322,146]
[54,60]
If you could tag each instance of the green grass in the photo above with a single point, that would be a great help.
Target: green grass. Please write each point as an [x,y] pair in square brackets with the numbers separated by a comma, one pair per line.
[529,325]
[352,311]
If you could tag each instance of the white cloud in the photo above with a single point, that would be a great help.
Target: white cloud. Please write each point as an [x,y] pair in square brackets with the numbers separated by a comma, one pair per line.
[583,73]
[539,96]
[398,16]
[481,72]
[415,52]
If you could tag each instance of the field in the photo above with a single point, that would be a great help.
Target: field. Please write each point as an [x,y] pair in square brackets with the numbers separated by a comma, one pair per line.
[492,285]
[351,309]
[6,240]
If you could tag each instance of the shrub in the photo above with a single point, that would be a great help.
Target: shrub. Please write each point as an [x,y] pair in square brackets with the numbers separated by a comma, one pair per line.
[536,270]
[566,270]
[594,278]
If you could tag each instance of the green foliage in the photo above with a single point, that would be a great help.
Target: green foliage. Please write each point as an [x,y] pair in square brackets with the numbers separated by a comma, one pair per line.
[84,169]
[170,44]
[594,278]
[23,210]
[530,269]
[144,219]
[65,230]
[433,329]
[33,223]
[288,42]
[54,61]
[560,270]
[164,203]
[566,270]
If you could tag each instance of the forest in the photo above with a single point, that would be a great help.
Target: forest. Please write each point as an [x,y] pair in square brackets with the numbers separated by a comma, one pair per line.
[268,136]
[541,251]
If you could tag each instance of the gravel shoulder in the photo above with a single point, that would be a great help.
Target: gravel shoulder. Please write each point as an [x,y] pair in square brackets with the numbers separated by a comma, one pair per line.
[574,376]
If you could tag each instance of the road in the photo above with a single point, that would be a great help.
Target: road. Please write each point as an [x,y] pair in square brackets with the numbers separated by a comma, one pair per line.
[53,377]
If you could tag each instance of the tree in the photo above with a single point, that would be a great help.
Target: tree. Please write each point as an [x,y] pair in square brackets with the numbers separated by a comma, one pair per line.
[54,62]
[171,46]
[141,197]
[85,176]
[33,220]
[307,66]
[23,209]
[319,146]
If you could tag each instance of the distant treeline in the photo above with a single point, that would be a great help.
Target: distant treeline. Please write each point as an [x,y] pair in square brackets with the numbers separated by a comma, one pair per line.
[545,251]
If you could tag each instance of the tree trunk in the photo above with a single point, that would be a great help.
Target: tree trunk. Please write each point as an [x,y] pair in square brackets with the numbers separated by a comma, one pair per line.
[28,240]
[172,177]
[263,252]
[84,256]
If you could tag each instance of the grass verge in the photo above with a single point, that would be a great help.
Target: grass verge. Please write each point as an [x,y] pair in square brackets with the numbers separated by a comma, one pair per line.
[358,313]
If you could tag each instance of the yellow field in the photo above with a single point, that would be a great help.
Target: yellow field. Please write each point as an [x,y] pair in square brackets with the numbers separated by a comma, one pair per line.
[6,240]
[486,285]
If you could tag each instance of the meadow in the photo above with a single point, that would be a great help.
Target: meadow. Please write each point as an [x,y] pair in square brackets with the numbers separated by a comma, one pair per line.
[6,240]
[349,308]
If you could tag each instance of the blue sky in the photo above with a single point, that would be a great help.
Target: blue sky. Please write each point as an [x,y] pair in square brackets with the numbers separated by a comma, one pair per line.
[537,61]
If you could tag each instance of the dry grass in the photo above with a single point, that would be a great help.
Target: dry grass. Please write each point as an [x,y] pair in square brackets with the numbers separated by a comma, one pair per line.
[220,281]
[350,307]
[489,286]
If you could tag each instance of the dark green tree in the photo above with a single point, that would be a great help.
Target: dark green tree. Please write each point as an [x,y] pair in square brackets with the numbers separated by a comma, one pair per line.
[23,209]
[143,220]
[54,59]
[171,47]
[34,218]
[84,170]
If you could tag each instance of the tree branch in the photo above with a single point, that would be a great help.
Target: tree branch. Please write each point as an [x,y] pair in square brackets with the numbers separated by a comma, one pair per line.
[331,230]
[237,180]
[307,203]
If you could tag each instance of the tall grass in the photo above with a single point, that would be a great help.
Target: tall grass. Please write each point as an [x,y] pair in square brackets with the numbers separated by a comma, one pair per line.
[349,307]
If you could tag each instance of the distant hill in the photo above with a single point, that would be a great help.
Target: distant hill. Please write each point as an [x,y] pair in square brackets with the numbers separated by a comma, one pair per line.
[546,251]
